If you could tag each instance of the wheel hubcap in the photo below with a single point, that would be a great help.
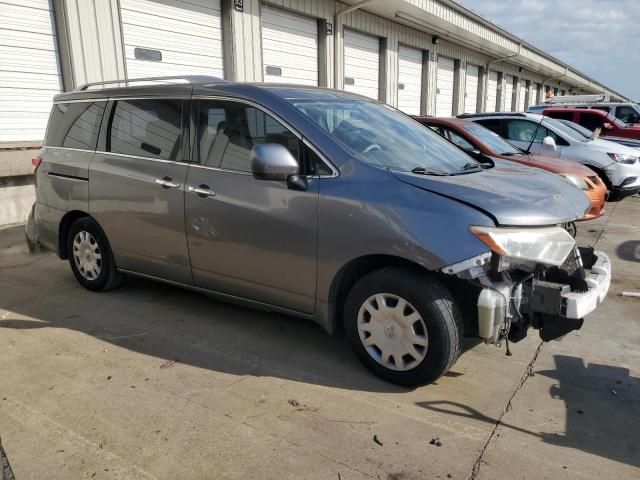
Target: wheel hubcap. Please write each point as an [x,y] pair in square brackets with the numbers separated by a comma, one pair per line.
[392,331]
[87,255]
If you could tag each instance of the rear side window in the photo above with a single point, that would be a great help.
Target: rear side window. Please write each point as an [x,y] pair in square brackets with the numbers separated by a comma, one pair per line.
[591,120]
[494,124]
[562,115]
[627,114]
[146,128]
[75,125]
[524,130]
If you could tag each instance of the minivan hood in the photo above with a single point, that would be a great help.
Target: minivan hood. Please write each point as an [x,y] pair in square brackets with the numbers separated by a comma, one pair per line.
[511,194]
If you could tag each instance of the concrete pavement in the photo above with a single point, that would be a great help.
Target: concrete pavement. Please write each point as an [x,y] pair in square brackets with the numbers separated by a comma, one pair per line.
[151,381]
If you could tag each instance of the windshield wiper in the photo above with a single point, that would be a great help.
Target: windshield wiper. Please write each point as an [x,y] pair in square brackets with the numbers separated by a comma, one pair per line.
[511,154]
[426,171]
[469,167]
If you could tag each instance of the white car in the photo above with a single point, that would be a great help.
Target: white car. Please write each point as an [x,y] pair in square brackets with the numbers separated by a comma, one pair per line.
[617,165]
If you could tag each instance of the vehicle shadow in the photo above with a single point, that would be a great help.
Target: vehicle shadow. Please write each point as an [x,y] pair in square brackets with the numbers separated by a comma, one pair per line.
[629,250]
[602,404]
[177,325]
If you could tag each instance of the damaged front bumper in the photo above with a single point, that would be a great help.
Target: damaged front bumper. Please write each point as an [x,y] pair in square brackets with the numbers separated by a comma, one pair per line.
[553,300]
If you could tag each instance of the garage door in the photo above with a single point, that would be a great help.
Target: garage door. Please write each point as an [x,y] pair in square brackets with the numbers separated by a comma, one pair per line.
[289,47]
[522,96]
[29,70]
[409,80]
[172,37]
[361,64]
[444,85]
[471,89]
[492,91]
[508,93]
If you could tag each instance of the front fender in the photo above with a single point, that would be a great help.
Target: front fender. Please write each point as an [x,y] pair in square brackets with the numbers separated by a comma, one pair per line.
[383,216]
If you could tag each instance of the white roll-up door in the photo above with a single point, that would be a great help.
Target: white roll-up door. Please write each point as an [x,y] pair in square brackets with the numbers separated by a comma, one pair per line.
[409,79]
[492,91]
[522,96]
[29,70]
[289,47]
[471,83]
[508,93]
[444,85]
[172,37]
[361,64]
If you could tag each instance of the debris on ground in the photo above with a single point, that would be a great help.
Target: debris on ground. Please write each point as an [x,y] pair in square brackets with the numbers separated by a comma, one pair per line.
[377,440]
[435,441]
[294,403]
[631,294]
[169,363]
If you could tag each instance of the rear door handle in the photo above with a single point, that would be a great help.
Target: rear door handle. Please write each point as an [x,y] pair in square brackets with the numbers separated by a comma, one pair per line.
[167,182]
[202,191]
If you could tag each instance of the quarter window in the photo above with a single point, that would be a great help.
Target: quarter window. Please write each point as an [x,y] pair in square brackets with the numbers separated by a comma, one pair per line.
[75,125]
[146,128]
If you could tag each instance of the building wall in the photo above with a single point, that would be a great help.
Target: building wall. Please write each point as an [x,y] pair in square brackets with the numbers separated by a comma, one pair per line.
[90,49]
[94,44]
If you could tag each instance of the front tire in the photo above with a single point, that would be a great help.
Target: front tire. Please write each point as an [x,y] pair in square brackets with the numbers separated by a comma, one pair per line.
[90,256]
[404,326]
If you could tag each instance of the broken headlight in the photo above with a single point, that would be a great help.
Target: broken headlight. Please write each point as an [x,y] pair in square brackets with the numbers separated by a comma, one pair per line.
[546,245]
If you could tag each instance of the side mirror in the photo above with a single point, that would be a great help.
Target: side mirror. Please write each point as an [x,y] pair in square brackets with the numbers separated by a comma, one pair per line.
[272,161]
[607,126]
[548,143]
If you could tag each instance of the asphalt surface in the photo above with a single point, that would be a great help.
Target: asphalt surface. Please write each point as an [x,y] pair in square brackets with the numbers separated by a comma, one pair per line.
[151,381]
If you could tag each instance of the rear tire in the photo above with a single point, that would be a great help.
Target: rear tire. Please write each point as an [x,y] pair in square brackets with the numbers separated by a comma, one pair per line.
[404,326]
[90,256]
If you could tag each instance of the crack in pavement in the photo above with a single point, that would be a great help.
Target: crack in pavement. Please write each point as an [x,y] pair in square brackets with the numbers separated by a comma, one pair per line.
[606,224]
[475,470]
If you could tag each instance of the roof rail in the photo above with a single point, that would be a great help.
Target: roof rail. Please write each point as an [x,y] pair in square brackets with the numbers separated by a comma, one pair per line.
[188,78]
[492,114]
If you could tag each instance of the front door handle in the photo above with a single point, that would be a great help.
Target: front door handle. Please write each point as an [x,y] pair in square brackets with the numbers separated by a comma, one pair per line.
[167,182]
[202,191]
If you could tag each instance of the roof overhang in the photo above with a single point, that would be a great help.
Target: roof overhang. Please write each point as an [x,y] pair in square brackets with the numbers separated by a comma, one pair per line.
[439,18]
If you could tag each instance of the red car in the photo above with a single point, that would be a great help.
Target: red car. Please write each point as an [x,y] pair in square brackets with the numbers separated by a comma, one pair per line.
[593,119]
[471,136]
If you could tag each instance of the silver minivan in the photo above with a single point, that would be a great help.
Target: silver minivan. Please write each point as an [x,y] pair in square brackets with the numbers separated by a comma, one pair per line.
[315,203]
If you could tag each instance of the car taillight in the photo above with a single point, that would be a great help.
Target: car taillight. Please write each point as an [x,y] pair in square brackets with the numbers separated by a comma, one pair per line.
[36,161]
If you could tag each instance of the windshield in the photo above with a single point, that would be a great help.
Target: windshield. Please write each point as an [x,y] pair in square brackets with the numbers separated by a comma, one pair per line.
[492,140]
[585,132]
[566,130]
[384,137]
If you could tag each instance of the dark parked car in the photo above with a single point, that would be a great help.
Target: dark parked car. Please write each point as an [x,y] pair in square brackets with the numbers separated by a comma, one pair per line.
[317,203]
